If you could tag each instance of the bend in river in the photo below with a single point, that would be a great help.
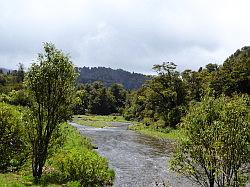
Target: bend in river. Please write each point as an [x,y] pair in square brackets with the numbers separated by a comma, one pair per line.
[138,160]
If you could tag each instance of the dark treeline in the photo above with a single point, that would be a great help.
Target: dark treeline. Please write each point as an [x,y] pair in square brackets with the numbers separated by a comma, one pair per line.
[109,76]
[95,98]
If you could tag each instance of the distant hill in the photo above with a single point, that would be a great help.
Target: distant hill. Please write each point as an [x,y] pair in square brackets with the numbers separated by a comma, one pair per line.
[109,76]
[4,70]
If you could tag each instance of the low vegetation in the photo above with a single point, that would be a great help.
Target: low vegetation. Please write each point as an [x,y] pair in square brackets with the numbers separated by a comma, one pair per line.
[74,164]
[97,121]
[76,161]
[215,150]
[161,133]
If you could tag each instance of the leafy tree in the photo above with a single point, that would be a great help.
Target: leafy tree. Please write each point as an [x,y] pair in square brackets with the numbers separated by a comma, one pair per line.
[51,83]
[163,98]
[193,84]
[167,94]
[211,67]
[20,97]
[2,79]
[233,76]
[20,73]
[119,94]
[13,145]
[95,98]
[81,102]
[135,105]
[100,100]
[216,147]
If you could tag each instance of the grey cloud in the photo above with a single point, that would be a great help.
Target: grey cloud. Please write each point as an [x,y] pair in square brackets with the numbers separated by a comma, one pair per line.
[132,35]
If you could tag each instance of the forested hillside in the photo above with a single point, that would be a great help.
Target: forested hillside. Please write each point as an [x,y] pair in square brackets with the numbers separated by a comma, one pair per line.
[109,76]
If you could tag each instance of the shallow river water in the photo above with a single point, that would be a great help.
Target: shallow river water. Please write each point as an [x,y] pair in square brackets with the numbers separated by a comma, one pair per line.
[138,160]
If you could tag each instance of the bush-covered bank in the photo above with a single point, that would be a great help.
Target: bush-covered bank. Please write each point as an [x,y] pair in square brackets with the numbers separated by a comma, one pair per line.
[215,151]
[73,164]
[97,120]
[76,161]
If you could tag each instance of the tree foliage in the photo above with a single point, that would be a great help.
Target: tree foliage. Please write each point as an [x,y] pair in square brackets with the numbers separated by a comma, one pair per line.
[233,76]
[162,98]
[95,98]
[216,148]
[51,84]
[13,144]
[165,96]
[119,94]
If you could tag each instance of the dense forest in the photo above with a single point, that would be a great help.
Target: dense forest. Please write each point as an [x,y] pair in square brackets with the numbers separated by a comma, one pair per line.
[110,76]
[210,105]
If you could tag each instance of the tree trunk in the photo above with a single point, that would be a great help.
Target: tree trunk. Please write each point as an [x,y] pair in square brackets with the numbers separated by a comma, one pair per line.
[211,182]
[37,167]
[211,178]
[39,158]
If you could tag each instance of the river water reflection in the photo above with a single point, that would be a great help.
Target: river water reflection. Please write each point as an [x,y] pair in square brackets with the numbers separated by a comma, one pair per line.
[138,160]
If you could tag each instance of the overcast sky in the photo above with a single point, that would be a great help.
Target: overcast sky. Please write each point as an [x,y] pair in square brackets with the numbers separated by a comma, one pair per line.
[130,34]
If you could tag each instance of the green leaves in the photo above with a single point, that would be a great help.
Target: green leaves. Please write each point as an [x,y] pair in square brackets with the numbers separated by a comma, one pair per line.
[76,161]
[51,85]
[162,98]
[84,166]
[13,146]
[218,140]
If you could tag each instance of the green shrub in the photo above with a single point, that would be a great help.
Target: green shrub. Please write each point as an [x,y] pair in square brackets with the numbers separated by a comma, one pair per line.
[73,184]
[76,161]
[216,147]
[19,97]
[14,97]
[13,147]
[84,166]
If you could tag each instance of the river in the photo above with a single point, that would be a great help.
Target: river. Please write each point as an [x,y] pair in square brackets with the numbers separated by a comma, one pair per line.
[138,160]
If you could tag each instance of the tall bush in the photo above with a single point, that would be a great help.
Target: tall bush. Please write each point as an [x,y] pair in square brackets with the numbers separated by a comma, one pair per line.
[217,147]
[13,147]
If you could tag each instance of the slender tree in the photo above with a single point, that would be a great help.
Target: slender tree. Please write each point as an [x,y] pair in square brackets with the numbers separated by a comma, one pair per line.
[20,72]
[51,84]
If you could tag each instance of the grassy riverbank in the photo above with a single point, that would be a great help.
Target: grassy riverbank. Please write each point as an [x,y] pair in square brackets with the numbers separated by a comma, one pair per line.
[162,133]
[74,164]
[97,121]
[106,121]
